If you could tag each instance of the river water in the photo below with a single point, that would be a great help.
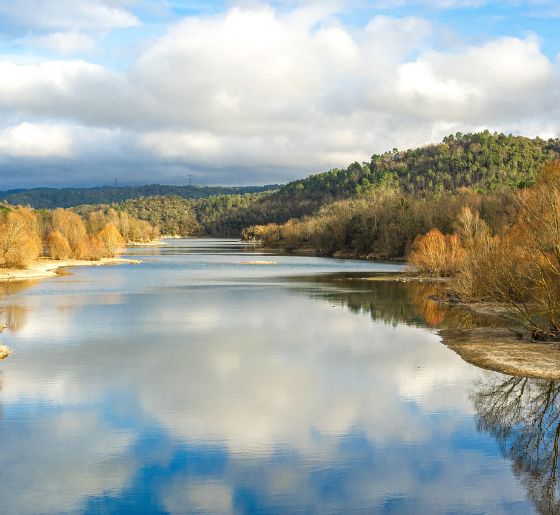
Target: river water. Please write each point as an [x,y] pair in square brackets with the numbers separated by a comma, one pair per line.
[196,382]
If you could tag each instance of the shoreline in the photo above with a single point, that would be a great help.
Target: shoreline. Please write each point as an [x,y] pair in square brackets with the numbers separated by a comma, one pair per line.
[503,347]
[310,251]
[499,350]
[44,268]
[506,348]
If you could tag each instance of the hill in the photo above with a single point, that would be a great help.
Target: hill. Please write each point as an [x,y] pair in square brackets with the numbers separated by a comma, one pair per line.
[481,161]
[49,198]
[179,216]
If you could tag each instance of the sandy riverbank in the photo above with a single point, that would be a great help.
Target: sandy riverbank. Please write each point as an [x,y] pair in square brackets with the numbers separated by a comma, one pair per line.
[499,349]
[504,347]
[492,339]
[49,268]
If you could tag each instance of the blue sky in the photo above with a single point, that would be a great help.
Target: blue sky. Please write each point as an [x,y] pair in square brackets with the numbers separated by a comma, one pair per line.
[239,92]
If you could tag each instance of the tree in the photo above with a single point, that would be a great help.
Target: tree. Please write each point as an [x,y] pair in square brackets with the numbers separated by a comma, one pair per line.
[70,226]
[59,247]
[19,243]
[111,240]
[437,254]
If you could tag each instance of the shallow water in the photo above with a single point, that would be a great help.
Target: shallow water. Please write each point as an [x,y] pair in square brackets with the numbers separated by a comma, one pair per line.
[195,383]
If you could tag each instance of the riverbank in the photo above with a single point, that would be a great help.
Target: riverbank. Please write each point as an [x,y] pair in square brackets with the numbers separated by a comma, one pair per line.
[500,350]
[311,251]
[485,335]
[44,268]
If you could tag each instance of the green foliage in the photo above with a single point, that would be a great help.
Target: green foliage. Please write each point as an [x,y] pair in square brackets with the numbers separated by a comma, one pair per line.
[50,198]
[483,162]
[181,217]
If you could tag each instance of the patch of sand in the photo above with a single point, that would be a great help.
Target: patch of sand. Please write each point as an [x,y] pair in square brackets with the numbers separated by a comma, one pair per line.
[501,350]
[48,267]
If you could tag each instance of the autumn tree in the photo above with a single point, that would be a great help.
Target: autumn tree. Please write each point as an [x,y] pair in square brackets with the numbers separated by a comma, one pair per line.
[70,226]
[19,243]
[59,247]
[436,254]
[111,240]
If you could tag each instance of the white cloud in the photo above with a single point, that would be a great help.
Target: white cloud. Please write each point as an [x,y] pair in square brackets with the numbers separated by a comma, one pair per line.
[287,91]
[506,78]
[35,140]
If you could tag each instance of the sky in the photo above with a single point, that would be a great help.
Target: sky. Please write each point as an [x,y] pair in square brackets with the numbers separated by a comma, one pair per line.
[250,92]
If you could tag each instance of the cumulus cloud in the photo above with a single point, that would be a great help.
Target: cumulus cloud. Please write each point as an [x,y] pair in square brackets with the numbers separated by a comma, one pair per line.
[35,140]
[282,92]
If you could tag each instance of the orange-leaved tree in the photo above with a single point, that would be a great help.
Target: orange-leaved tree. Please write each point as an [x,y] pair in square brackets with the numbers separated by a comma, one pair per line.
[436,254]
[111,240]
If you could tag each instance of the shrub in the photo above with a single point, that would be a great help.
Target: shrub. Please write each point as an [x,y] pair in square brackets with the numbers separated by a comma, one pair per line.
[111,240]
[436,254]
[59,247]
[19,243]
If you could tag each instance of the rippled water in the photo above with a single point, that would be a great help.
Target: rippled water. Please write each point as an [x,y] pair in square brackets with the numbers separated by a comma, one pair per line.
[196,383]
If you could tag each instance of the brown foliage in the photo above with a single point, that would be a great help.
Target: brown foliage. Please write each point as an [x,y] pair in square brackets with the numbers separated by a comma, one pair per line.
[19,242]
[70,226]
[437,254]
[59,247]
[130,228]
[520,267]
[111,240]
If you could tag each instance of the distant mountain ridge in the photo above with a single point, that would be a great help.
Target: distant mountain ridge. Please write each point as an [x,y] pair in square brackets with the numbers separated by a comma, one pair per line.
[49,198]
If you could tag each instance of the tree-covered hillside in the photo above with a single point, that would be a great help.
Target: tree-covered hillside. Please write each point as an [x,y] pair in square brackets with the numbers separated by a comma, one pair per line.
[481,161]
[179,216]
[49,198]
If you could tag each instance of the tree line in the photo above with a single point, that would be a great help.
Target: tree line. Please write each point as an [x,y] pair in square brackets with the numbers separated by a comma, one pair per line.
[482,162]
[27,234]
[51,198]
[515,263]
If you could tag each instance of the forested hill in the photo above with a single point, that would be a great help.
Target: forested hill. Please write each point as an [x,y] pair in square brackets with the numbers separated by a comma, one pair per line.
[482,161]
[48,198]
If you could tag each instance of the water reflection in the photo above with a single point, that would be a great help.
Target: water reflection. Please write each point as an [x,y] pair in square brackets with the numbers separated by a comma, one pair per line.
[193,383]
[393,302]
[524,416]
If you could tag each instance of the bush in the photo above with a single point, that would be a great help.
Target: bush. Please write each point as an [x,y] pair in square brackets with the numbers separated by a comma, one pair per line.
[19,243]
[436,254]
[59,247]
[111,240]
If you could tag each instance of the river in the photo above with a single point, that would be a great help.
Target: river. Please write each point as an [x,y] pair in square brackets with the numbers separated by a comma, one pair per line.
[196,382]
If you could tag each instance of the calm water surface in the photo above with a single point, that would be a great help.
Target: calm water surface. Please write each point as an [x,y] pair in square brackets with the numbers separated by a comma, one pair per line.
[196,383]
